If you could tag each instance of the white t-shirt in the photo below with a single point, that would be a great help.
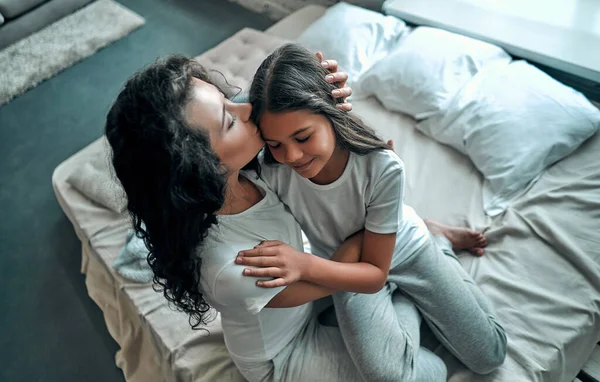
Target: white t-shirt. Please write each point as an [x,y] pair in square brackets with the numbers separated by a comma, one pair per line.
[369,194]
[252,332]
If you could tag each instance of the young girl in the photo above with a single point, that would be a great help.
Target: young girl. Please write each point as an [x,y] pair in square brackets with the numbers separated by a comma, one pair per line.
[337,178]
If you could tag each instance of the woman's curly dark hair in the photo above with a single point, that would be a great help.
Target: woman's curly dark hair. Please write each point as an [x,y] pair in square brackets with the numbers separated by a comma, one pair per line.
[173,180]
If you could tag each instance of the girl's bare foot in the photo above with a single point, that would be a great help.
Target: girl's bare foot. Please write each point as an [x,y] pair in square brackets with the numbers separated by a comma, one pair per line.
[460,237]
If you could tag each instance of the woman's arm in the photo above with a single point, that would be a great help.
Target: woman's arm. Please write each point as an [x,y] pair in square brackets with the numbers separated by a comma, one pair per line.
[299,293]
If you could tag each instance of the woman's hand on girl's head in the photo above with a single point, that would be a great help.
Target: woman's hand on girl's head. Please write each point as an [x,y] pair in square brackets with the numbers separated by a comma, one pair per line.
[275,259]
[340,78]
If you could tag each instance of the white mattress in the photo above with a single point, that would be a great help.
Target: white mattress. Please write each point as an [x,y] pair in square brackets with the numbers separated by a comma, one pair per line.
[541,269]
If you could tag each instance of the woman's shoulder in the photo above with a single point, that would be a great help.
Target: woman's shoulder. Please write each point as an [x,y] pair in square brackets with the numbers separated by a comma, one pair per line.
[215,247]
[254,177]
[223,280]
[262,183]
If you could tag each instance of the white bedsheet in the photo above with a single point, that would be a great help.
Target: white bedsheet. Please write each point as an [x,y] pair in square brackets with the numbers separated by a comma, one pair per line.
[542,266]
[540,271]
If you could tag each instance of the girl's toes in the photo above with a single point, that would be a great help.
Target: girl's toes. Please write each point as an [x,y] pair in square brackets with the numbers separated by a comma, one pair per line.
[475,234]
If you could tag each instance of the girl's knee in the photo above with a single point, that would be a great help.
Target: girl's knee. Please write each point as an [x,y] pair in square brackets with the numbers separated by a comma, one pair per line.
[430,368]
[440,372]
[492,361]
[491,364]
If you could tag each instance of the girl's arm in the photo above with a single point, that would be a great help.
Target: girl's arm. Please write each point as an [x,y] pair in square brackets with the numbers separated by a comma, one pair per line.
[302,292]
[288,265]
[367,276]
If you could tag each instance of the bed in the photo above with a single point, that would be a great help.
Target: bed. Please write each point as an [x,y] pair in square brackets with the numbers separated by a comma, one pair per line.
[541,269]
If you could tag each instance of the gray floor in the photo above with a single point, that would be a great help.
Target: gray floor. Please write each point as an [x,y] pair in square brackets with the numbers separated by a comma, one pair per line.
[50,329]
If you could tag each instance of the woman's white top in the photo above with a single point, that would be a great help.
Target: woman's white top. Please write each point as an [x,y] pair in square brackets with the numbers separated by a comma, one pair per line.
[252,332]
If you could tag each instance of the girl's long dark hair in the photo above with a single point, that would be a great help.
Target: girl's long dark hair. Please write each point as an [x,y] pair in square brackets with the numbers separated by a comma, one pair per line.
[173,180]
[291,79]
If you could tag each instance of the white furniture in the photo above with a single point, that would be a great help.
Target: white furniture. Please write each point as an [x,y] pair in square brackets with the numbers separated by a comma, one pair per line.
[561,34]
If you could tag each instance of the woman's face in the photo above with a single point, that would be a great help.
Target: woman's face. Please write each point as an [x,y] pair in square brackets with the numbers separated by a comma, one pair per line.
[299,139]
[234,138]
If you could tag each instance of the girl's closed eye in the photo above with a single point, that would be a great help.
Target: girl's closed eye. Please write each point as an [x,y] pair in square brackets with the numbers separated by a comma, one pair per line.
[299,140]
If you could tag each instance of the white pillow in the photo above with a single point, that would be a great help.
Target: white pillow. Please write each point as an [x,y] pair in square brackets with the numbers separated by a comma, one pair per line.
[427,68]
[513,122]
[353,36]
[95,180]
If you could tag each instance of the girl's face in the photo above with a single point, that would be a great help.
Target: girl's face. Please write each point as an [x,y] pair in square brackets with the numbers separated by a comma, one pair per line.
[299,139]
[233,137]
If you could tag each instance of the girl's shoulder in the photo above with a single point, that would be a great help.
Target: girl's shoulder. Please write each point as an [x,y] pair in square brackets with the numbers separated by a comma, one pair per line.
[273,173]
[380,161]
[269,167]
[387,156]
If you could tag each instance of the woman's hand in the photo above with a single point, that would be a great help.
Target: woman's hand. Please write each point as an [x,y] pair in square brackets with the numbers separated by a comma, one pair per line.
[337,77]
[276,259]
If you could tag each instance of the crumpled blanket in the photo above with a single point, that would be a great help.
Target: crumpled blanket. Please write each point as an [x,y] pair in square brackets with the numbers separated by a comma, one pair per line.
[132,262]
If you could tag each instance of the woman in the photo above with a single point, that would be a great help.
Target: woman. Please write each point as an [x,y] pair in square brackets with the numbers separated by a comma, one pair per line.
[186,157]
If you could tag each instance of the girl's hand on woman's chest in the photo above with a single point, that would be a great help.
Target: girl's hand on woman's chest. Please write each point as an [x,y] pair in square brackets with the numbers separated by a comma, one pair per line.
[274,259]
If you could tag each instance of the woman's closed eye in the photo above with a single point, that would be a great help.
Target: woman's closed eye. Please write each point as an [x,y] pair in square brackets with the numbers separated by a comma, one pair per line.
[302,140]
[233,119]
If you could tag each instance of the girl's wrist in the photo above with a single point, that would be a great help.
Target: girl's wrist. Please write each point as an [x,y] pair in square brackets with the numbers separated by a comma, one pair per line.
[307,267]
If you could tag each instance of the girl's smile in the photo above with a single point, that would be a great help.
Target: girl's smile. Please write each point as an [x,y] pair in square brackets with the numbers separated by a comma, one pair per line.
[305,142]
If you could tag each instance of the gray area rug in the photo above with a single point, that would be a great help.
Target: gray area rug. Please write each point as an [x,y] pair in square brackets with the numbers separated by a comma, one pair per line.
[278,9]
[40,56]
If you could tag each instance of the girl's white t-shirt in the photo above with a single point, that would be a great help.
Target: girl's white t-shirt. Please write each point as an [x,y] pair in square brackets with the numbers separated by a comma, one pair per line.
[369,194]
[252,332]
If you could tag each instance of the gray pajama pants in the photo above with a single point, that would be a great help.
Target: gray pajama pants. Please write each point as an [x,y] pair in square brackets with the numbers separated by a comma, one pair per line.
[319,353]
[378,336]
[455,309]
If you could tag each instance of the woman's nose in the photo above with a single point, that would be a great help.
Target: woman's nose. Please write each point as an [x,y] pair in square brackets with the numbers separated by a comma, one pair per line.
[243,111]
